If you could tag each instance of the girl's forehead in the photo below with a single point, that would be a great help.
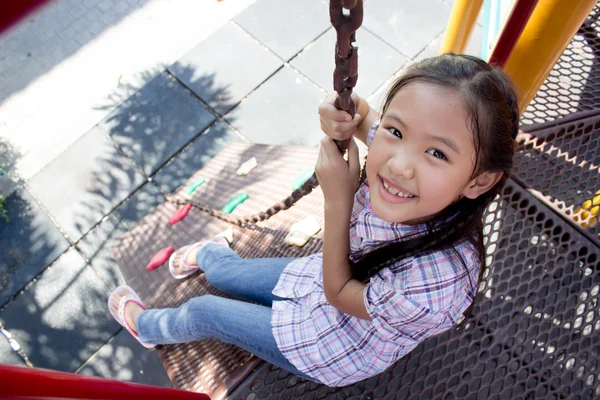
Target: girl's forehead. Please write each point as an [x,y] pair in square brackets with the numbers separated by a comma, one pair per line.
[430,105]
[432,111]
[431,93]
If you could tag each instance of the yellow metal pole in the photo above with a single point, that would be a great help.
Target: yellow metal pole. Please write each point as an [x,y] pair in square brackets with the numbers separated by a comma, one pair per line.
[462,19]
[548,32]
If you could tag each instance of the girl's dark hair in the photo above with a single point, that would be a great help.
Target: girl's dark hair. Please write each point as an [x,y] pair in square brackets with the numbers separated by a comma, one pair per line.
[491,105]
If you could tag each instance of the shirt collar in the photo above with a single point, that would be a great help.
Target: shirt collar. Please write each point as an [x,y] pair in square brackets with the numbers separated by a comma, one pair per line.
[374,230]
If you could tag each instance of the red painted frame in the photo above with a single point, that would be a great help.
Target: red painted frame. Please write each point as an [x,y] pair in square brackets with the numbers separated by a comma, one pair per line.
[42,384]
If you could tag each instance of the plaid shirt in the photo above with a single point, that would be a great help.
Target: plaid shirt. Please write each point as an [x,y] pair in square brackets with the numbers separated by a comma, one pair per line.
[409,301]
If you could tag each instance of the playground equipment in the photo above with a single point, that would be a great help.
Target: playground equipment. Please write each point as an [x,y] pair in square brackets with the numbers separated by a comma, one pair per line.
[534,331]
[40,384]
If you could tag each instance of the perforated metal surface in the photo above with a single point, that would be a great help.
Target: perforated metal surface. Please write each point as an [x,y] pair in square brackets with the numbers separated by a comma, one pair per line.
[561,165]
[573,86]
[534,332]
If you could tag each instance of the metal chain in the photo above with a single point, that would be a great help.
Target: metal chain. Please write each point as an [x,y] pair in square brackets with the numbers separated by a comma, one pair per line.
[346,54]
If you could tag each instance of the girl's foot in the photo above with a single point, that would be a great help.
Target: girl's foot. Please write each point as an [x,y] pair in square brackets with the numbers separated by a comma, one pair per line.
[125,306]
[183,261]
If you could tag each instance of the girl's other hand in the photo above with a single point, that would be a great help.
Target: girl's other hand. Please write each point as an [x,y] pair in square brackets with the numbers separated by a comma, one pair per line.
[338,124]
[338,178]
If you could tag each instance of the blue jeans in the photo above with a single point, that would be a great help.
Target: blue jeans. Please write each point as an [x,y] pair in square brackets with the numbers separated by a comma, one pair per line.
[236,322]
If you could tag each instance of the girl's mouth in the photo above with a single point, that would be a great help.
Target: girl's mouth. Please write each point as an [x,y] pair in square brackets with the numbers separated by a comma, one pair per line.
[394,194]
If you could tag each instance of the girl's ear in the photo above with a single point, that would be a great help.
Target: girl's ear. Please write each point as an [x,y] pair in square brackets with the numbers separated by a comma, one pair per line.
[481,184]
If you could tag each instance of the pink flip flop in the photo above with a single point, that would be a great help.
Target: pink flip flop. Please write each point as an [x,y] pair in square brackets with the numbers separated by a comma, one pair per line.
[183,253]
[117,301]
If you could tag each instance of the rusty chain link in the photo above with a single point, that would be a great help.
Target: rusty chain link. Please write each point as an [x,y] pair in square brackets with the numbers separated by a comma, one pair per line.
[345,74]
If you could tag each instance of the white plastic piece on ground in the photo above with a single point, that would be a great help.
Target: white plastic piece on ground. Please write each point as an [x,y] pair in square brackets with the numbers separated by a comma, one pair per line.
[247,167]
[227,234]
[301,231]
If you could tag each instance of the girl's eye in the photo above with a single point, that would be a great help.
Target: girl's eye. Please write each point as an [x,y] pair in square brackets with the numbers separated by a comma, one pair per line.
[395,132]
[437,154]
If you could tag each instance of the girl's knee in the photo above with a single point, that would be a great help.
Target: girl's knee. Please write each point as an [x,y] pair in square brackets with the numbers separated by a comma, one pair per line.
[212,251]
[213,258]
[202,308]
[201,303]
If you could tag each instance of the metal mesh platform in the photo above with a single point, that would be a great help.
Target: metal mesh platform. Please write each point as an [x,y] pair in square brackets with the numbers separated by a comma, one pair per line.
[573,86]
[560,165]
[558,158]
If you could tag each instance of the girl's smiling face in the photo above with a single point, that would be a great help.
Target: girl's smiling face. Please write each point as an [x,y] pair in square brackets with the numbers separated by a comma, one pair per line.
[422,157]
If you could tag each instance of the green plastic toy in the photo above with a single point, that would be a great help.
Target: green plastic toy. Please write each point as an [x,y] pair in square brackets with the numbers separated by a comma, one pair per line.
[195,185]
[234,202]
[302,177]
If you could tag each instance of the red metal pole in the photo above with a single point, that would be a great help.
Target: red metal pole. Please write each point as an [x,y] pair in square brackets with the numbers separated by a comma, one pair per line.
[13,11]
[515,25]
[33,383]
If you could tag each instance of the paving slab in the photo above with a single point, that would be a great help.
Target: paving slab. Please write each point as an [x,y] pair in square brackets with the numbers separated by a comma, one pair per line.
[225,67]
[407,25]
[473,47]
[195,156]
[58,87]
[124,359]
[29,242]
[281,111]
[81,186]
[141,203]
[97,245]
[285,26]
[62,319]
[156,122]
[377,61]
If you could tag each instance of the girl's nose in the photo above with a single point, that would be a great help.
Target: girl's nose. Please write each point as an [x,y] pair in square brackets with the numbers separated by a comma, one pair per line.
[402,165]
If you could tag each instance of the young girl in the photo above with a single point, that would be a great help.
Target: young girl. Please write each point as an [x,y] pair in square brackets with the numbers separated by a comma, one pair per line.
[402,248]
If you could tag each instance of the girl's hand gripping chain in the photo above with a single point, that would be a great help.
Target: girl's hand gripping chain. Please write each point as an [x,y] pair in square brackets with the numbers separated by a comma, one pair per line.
[338,178]
[338,124]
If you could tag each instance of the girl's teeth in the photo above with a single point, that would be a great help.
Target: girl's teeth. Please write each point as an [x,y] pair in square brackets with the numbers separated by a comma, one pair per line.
[395,192]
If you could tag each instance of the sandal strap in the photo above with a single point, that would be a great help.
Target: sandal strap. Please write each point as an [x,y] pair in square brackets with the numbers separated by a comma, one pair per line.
[182,264]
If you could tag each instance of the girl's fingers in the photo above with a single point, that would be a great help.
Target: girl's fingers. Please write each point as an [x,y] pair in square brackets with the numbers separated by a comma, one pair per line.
[329,111]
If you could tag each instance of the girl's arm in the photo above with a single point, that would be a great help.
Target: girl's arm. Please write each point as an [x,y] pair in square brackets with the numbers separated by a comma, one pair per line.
[339,181]
[343,292]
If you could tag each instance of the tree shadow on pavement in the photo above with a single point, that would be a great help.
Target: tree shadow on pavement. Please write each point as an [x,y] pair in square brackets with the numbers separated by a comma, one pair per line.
[51,34]
[161,132]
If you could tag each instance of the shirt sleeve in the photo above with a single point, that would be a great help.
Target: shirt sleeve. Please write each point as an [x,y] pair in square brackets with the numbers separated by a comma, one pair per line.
[371,133]
[404,305]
